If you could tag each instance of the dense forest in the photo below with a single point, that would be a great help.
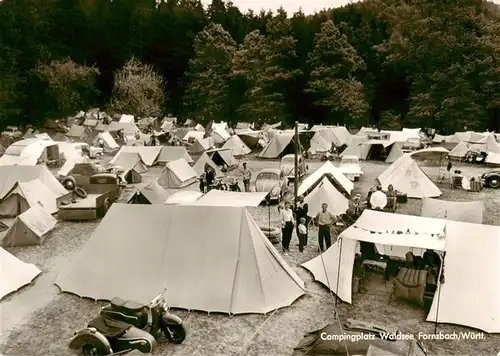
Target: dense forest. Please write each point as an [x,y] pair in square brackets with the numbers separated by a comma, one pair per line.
[390,63]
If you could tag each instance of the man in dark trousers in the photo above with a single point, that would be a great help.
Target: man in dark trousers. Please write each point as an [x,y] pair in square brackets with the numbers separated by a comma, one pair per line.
[301,211]
[325,221]
[209,177]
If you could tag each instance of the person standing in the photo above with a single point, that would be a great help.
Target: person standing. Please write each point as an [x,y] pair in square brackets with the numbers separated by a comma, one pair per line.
[287,223]
[369,197]
[325,220]
[247,175]
[302,233]
[209,177]
[301,211]
[391,198]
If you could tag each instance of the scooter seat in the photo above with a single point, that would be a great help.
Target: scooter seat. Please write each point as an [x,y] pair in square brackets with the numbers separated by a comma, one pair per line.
[127,305]
[109,328]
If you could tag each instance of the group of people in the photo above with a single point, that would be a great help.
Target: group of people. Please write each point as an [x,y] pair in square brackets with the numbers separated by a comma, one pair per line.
[207,178]
[377,199]
[299,218]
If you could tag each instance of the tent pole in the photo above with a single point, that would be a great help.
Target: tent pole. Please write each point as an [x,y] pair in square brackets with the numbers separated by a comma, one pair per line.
[296,173]
[441,277]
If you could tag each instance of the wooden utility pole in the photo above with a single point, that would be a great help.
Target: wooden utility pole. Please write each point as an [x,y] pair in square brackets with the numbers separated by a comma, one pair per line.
[296,174]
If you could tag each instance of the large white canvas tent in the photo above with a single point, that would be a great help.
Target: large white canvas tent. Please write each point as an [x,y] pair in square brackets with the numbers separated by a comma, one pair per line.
[152,193]
[468,211]
[177,174]
[199,166]
[281,144]
[493,159]
[29,228]
[149,154]
[374,149]
[319,143]
[232,269]
[227,198]
[14,273]
[328,169]
[184,197]
[127,161]
[237,145]
[9,175]
[223,157]
[24,195]
[171,153]
[460,151]
[201,145]
[325,192]
[407,177]
[470,295]
[30,152]
[468,136]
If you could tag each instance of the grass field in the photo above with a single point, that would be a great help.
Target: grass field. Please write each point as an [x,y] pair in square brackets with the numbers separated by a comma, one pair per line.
[38,320]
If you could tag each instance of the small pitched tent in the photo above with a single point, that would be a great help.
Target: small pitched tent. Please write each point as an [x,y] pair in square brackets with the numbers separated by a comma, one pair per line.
[233,269]
[249,137]
[237,145]
[200,145]
[29,228]
[236,199]
[14,273]
[106,141]
[223,157]
[460,151]
[77,132]
[319,143]
[177,174]
[152,193]
[126,118]
[130,161]
[184,197]
[199,166]
[171,153]
[493,159]
[340,181]
[325,192]
[281,144]
[9,175]
[394,153]
[469,211]
[25,195]
[149,154]
[407,177]
[356,147]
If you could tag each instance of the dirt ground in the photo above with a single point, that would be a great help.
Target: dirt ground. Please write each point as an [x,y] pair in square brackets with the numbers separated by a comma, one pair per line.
[38,320]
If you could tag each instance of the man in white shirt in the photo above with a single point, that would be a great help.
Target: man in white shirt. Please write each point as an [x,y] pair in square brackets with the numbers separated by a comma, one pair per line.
[378,200]
[325,221]
[287,223]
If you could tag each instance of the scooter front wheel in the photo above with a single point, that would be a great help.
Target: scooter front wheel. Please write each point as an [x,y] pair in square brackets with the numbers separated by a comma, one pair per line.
[93,350]
[175,333]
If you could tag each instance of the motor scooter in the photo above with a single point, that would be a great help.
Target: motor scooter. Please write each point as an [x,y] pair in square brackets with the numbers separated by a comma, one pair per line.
[123,326]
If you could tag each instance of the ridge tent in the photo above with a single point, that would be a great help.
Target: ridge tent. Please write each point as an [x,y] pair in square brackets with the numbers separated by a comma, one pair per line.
[177,174]
[25,195]
[469,211]
[101,127]
[127,161]
[77,132]
[152,193]
[129,128]
[440,138]
[249,137]
[29,228]
[199,166]
[126,118]
[220,135]
[394,153]
[171,153]
[106,141]
[227,198]
[468,136]
[14,273]
[341,182]
[407,177]
[200,145]
[356,148]
[184,197]
[9,175]
[325,192]
[279,145]
[373,149]
[460,151]
[237,145]
[233,269]
[3,226]
[490,143]
[191,135]
[319,143]
[223,157]
[149,154]
[492,159]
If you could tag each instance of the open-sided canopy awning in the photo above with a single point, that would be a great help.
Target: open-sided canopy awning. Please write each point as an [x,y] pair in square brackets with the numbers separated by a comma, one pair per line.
[227,198]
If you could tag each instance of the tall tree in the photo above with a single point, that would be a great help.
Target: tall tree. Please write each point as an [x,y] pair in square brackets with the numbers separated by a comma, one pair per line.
[334,64]
[69,87]
[278,70]
[138,90]
[207,93]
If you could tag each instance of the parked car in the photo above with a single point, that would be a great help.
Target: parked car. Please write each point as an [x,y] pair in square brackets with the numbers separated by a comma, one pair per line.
[350,167]
[492,178]
[13,132]
[287,166]
[93,152]
[475,156]
[274,181]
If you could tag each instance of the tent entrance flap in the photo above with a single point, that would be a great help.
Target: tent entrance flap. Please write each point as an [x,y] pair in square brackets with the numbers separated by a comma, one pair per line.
[377,152]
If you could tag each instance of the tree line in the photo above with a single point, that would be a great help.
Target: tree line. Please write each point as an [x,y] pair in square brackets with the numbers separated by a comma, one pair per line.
[389,63]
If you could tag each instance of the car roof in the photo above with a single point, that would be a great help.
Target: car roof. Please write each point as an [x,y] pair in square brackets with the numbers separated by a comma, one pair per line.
[350,157]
